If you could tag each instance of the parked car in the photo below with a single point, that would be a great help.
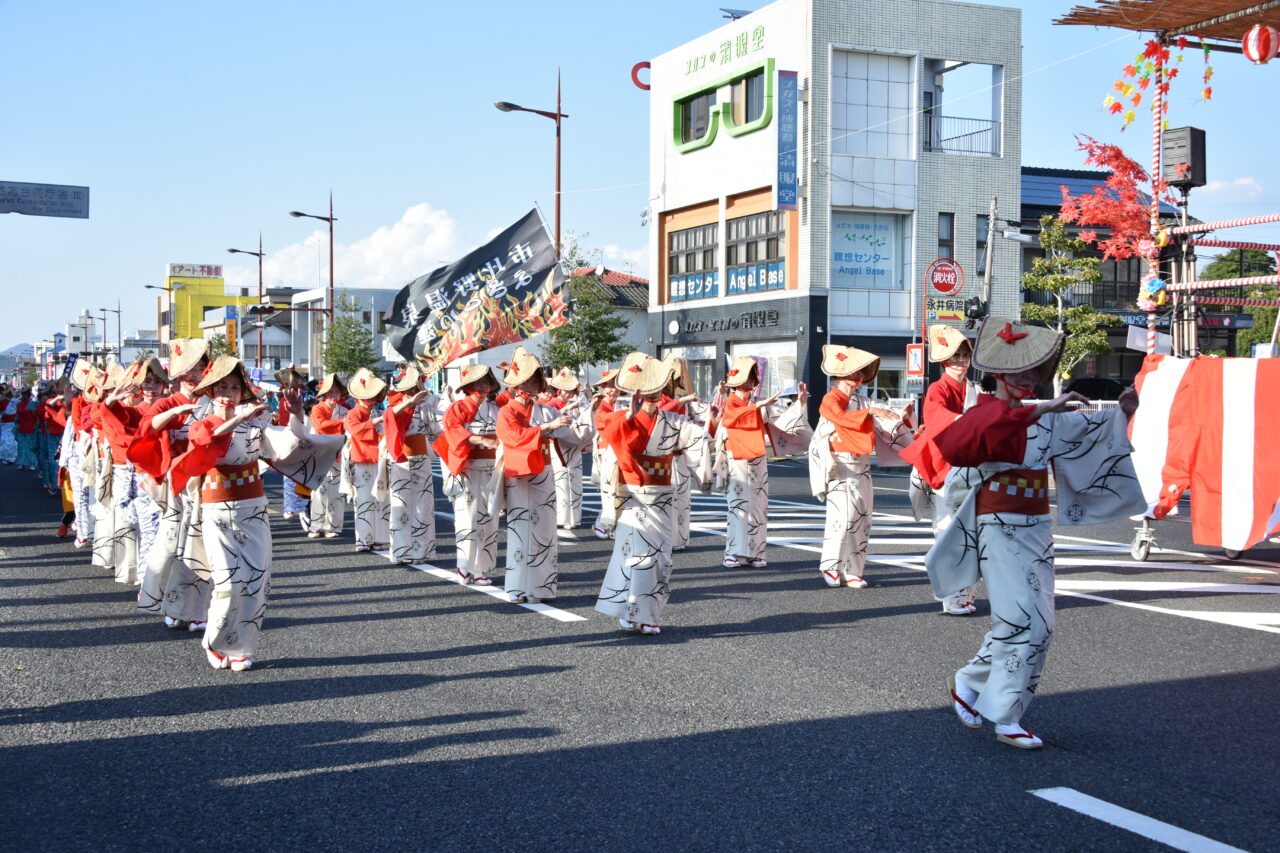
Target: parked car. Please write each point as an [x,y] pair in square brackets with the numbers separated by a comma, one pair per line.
[1097,387]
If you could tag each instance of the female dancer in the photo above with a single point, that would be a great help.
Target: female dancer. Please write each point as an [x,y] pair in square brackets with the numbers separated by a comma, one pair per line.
[411,424]
[999,526]
[645,440]
[328,504]
[362,428]
[469,453]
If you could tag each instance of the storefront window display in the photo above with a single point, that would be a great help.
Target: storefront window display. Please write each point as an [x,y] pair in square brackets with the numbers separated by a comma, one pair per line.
[779,360]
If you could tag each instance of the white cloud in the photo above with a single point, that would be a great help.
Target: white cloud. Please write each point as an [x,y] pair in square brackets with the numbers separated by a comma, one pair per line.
[389,257]
[1239,191]
[634,261]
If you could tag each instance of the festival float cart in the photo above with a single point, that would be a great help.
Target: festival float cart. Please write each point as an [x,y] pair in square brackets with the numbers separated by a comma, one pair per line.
[1205,424]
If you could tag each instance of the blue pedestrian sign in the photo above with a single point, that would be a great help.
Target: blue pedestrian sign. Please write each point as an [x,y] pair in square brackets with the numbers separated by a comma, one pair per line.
[256,375]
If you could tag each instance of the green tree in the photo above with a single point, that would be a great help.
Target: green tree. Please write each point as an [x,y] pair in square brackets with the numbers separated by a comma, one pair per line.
[594,333]
[1239,263]
[350,343]
[1059,272]
[28,377]
[218,345]
[144,354]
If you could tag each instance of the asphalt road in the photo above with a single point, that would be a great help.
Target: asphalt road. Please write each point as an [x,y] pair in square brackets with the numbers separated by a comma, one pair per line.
[393,708]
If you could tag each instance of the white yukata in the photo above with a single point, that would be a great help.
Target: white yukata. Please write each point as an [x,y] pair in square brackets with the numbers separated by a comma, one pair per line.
[476,489]
[368,486]
[745,482]
[72,457]
[604,474]
[411,495]
[9,433]
[566,463]
[637,583]
[1013,551]
[685,477]
[841,479]
[328,508]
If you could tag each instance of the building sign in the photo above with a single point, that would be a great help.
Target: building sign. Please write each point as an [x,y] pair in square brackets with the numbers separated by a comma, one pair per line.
[945,276]
[945,310]
[721,55]
[915,359]
[747,320]
[195,270]
[1206,321]
[44,200]
[756,277]
[863,250]
[786,191]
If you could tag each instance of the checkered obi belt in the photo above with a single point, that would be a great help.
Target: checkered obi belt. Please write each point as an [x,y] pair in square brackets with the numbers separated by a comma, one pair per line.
[231,483]
[1024,491]
[653,471]
[415,445]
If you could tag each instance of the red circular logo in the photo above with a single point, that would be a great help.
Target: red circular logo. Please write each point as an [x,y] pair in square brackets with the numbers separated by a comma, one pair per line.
[635,75]
[945,276]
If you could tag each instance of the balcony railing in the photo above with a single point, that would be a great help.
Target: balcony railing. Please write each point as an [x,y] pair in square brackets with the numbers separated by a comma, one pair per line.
[1105,296]
[976,137]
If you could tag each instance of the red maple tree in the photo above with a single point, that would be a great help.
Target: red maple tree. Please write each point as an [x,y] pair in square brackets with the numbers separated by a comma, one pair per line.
[1122,209]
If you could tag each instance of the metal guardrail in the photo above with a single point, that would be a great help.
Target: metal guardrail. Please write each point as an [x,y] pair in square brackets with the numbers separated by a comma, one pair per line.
[955,135]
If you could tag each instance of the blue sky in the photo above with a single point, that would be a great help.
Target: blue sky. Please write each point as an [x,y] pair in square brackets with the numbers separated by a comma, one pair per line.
[197,125]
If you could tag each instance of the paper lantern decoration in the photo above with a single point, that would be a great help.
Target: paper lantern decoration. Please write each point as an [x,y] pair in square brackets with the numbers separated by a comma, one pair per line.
[1260,44]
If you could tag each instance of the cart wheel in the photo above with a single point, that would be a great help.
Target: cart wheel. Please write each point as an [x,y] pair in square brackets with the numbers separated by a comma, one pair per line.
[1232,554]
[1140,548]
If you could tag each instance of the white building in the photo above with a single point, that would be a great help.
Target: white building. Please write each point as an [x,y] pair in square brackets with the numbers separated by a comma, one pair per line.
[309,320]
[808,162]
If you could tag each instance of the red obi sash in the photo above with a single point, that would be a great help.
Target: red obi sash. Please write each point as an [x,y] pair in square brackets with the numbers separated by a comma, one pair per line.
[1024,491]
[231,483]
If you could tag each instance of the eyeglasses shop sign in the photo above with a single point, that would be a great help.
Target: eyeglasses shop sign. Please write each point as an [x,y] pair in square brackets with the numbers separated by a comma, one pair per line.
[748,320]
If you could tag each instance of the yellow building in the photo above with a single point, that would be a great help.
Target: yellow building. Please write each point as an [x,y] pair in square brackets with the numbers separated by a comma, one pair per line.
[193,289]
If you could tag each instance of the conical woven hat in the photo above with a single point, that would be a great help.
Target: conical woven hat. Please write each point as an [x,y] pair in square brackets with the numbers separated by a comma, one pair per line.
[740,371]
[606,378]
[524,366]
[365,386]
[185,353]
[472,373]
[290,375]
[1007,346]
[115,376]
[643,374]
[945,341]
[408,380]
[148,366]
[681,384]
[222,367]
[565,380]
[330,382]
[93,385]
[842,362]
[81,372]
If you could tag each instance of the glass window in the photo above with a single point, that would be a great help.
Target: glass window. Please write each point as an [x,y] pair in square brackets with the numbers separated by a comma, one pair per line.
[755,254]
[981,265]
[691,264]
[747,96]
[869,251]
[778,368]
[695,115]
[946,235]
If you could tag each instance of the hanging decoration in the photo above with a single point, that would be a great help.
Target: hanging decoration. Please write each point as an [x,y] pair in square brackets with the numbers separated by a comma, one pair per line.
[1260,44]
[1156,64]
[1152,293]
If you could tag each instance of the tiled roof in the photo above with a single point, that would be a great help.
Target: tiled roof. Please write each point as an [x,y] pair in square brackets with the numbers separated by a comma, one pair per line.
[624,290]
[1042,189]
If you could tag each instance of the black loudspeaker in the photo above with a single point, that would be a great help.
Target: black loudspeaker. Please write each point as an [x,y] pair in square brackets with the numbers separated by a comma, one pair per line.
[1183,145]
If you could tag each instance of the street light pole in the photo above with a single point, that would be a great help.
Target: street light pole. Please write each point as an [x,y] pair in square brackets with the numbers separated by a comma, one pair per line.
[557,117]
[330,219]
[259,254]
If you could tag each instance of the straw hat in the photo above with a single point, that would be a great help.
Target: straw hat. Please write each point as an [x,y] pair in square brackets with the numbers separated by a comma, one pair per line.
[81,372]
[287,376]
[524,366]
[409,380]
[741,370]
[472,373]
[365,386]
[93,385]
[681,384]
[846,362]
[115,376]
[330,382]
[222,367]
[643,374]
[944,342]
[565,380]
[606,379]
[1007,346]
[139,369]
[185,353]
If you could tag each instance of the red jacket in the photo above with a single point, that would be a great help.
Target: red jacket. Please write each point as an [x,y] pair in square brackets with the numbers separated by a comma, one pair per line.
[745,427]
[362,433]
[521,443]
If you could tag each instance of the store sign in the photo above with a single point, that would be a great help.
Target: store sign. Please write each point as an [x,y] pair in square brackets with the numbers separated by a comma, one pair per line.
[723,54]
[750,279]
[44,200]
[915,359]
[195,270]
[863,250]
[1206,321]
[945,310]
[786,189]
[747,320]
[945,276]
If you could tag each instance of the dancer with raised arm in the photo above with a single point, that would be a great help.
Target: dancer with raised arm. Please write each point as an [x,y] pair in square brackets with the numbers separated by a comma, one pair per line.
[999,525]
[604,464]
[363,430]
[328,504]
[411,424]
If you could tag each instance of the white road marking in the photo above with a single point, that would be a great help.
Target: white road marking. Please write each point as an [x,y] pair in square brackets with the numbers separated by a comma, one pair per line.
[1139,824]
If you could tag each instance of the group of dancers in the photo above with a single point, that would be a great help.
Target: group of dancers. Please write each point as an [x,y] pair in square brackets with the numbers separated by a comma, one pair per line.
[168,489]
